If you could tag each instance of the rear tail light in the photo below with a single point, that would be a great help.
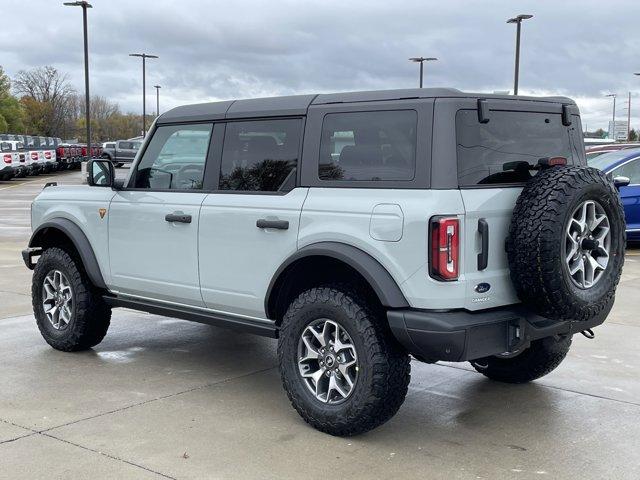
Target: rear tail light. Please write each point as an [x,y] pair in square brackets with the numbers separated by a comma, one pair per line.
[34,155]
[47,155]
[7,158]
[444,248]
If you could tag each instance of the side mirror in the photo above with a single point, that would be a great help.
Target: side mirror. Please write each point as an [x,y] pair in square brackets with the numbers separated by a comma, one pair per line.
[100,173]
[621,182]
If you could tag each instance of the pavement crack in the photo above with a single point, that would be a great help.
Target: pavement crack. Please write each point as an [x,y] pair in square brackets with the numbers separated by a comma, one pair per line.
[593,395]
[162,397]
[112,457]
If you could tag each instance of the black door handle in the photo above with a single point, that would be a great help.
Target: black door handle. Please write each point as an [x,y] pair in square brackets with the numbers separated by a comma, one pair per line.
[279,224]
[483,256]
[178,217]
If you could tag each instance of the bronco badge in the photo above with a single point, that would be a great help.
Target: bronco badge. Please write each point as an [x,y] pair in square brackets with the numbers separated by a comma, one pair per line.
[102,212]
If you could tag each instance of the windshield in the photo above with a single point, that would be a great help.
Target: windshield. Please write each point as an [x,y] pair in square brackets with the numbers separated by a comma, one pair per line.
[604,161]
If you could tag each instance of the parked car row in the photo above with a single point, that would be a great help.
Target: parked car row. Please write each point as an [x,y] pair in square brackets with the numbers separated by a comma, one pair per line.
[24,155]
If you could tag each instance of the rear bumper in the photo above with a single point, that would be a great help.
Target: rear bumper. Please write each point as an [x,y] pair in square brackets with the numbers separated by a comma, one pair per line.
[461,335]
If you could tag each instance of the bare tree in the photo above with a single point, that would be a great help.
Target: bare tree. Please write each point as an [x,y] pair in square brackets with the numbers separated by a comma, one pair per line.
[52,91]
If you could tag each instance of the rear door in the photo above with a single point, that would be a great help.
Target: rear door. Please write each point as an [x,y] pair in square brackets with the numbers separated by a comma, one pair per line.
[493,159]
[249,226]
[631,195]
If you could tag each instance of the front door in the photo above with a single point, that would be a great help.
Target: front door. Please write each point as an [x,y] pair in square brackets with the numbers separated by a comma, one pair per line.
[249,227]
[630,196]
[153,223]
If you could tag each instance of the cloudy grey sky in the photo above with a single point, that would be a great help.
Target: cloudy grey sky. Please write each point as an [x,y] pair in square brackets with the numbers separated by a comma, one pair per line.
[237,49]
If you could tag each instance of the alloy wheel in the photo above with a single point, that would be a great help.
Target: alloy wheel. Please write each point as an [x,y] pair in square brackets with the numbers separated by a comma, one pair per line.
[327,361]
[57,299]
[587,244]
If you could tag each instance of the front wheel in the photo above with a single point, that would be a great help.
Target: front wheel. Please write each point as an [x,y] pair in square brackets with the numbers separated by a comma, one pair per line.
[70,313]
[342,369]
[539,359]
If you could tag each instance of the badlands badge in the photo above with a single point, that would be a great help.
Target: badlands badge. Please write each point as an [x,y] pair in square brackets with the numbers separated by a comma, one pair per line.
[102,212]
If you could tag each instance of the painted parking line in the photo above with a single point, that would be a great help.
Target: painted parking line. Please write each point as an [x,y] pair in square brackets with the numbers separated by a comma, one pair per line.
[26,183]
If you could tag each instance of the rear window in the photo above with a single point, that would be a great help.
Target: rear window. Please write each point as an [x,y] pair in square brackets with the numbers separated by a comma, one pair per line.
[368,146]
[502,150]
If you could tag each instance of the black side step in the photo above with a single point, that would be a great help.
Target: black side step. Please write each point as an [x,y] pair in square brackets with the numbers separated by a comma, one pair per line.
[185,313]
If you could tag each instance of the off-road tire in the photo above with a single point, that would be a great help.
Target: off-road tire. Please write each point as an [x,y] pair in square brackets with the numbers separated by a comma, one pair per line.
[90,317]
[536,240]
[384,366]
[542,357]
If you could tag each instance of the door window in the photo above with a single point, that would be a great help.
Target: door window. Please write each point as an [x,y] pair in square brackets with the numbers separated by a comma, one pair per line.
[368,146]
[631,170]
[175,158]
[260,155]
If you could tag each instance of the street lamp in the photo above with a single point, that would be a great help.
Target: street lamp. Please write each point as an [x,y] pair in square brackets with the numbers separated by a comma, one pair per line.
[84,6]
[518,21]
[613,126]
[157,87]
[421,61]
[144,57]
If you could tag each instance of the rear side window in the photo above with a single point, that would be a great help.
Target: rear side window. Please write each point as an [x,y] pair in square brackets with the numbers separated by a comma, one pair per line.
[502,150]
[260,155]
[368,146]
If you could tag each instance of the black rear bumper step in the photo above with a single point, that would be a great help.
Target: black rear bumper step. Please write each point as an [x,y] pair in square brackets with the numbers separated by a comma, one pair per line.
[248,325]
[458,336]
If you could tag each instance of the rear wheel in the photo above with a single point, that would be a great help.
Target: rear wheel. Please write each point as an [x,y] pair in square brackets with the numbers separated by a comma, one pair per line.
[341,368]
[539,359]
[70,312]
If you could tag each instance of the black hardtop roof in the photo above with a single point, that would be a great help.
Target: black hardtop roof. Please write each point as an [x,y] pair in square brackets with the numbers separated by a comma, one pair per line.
[298,104]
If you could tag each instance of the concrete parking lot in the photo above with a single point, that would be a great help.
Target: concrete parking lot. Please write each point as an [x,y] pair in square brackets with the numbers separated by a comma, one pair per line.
[163,398]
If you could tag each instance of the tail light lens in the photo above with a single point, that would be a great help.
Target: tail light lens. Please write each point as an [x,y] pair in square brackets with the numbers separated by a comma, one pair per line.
[444,248]
[34,155]
[7,158]
[47,155]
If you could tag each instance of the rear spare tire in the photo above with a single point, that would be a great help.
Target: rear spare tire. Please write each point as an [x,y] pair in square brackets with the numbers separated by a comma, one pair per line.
[566,243]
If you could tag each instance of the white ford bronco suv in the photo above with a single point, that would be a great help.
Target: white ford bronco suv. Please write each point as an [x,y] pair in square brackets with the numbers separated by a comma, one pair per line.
[358,229]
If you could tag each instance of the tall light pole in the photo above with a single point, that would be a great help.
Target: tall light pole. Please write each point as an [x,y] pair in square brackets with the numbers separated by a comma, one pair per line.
[144,57]
[157,87]
[421,61]
[613,126]
[518,21]
[629,126]
[84,6]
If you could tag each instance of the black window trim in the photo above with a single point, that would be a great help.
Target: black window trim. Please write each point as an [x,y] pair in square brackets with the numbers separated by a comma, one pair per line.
[213,160]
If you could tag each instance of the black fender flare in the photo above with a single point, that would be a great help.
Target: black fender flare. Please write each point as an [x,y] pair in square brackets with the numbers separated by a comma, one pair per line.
[80,242]
[371,270]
